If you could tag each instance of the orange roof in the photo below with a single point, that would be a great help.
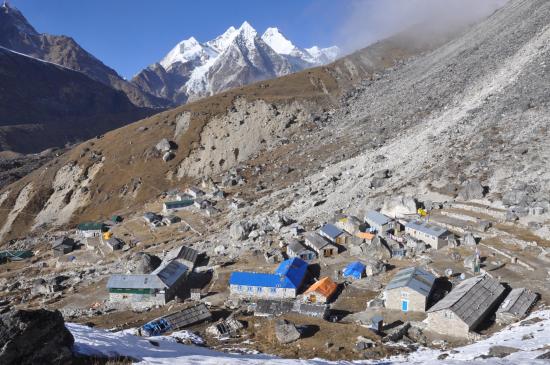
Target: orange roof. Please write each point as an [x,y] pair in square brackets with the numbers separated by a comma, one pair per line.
[325,286]
[365,235]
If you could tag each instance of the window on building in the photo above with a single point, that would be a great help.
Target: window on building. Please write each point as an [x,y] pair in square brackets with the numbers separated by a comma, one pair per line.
[250,289]
[404,294]
[273,290]
[259,289]
[240,288]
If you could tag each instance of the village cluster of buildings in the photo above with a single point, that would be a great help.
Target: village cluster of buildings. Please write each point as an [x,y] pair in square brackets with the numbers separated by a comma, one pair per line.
[291,288]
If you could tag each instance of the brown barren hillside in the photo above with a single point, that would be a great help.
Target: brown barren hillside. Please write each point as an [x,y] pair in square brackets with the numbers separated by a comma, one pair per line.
[122,169]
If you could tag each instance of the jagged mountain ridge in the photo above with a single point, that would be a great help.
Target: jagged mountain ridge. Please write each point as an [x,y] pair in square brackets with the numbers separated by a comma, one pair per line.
[17,34]
[237,57]
[45,105]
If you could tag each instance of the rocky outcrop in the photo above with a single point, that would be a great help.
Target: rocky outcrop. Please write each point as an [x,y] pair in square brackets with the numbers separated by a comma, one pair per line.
[34,337]
[146,263]
[286,332]
[471,190]
[399,206]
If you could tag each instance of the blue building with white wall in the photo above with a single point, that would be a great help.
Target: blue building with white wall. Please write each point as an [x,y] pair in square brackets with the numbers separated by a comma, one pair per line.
[284,283]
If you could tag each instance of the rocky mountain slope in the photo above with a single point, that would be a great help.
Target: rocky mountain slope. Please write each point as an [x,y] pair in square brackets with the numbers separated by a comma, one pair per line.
[123,169]
[45,105]
[476,109]
[237,57]
[17,34]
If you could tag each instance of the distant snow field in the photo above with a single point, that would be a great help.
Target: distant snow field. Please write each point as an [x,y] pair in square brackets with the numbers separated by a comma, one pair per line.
[530,338]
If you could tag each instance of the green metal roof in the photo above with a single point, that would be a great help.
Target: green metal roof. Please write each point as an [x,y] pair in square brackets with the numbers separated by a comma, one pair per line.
[179,203]
[91,226]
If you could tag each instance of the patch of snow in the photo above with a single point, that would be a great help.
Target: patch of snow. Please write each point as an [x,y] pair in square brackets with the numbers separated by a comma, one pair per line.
[223,41]
[530,338]
[278,42]
[185,51]
[324,55]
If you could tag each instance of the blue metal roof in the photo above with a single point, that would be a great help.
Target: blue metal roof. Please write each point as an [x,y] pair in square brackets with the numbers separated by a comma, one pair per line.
[355,269]
[377,218]
[289,275]
[330,230]
[426,227]
[294,269]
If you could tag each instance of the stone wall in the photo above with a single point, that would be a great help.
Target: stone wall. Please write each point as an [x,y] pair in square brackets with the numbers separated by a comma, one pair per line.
[417,302]
[445,322]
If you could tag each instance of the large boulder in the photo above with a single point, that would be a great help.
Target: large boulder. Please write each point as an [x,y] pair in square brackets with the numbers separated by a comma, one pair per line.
[286,332]
[239,230]
[163,145]
[399,207]
[146,263]
[34,337]
[471,190]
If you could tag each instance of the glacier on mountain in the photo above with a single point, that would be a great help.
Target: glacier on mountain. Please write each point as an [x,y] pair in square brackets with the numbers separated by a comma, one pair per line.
[237,57]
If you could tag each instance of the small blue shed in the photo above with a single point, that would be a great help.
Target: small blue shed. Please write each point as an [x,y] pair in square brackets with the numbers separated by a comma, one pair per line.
[355,270]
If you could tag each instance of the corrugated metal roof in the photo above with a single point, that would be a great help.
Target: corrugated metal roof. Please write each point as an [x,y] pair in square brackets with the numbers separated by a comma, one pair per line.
[471,299]
[426,227]
[164,276]
[415,278]
[289,275]
[90,226]
[120,281]
[294,269]
[316,240]
[170,273]
[188,254]
[297,247]
[178,204]
[331,231]
[518,302]
[325,286]
[259,279]
[377,218]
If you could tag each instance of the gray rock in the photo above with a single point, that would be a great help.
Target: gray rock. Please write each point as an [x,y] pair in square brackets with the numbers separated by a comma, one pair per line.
[501,351]
[399,206]
[377,182]
[168,156]
[516,197]
[147,263]
[34,337]
[163,145]
[397,333]
[286,332]
[239,231]
[471,190]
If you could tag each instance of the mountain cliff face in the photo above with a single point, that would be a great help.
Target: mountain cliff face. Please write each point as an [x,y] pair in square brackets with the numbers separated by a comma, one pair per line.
[237,57]
[17,34]
[44,105]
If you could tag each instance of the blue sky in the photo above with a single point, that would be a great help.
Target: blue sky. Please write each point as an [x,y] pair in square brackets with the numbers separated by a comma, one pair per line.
[128,35]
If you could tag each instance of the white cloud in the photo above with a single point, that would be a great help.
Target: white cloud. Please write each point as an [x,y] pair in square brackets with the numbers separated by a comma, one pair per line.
[371,20]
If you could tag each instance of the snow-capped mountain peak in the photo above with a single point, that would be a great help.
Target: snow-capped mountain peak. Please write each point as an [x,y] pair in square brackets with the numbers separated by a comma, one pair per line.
[220,43]
[323,55]
[237,57]
[185,51]
[277,41]
[247,34]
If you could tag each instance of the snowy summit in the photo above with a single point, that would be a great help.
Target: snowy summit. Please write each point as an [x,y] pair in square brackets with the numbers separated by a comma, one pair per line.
[194,69]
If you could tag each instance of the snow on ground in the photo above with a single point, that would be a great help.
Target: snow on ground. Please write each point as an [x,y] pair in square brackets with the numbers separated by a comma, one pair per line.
[531,338]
